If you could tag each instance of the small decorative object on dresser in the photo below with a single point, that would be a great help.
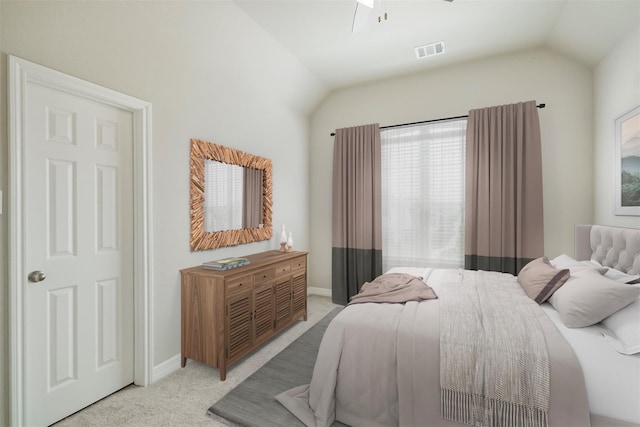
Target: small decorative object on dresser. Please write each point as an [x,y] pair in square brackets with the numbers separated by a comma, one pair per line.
[228,313]
[283,240]
[290,243]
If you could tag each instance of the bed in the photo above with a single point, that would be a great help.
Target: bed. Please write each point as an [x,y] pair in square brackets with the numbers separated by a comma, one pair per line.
[612,378]
[382,364]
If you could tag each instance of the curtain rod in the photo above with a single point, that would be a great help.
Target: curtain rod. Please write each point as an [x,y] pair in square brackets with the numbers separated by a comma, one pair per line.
[542,105]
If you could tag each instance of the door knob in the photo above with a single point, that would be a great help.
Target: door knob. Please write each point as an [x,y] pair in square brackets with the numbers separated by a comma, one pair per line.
[37,276]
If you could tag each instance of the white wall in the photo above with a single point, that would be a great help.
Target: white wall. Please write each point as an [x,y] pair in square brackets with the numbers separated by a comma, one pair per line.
[4,292]
[616,91]
[211,73]
[566,126]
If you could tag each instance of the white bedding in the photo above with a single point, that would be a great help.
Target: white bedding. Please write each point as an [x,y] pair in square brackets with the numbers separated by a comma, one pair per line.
[612,379]
[378,366]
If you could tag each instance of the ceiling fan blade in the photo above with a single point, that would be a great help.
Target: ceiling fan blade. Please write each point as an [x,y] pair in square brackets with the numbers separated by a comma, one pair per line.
[364,14]
[368,3]
[361,17]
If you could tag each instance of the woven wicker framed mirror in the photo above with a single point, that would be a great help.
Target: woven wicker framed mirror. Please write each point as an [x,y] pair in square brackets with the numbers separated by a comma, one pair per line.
[208,228]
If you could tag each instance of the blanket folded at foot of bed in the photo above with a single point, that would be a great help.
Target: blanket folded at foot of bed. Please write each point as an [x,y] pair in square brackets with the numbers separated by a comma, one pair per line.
[494,363]
[394,288]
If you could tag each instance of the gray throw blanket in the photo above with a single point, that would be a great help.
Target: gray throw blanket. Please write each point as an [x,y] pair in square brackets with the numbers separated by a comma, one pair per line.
[394,288]
[494,363]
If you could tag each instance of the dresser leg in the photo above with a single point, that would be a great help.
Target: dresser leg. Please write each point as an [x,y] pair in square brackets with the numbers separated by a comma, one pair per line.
[184,362]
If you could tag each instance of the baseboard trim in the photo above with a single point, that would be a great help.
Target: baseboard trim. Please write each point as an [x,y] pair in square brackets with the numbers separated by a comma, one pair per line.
[319,291]
[165,368]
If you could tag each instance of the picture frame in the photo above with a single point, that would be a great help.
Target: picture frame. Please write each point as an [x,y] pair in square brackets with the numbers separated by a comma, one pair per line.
[627,164]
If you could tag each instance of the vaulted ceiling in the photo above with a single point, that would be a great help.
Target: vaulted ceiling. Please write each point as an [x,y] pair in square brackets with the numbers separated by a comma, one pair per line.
[319,32]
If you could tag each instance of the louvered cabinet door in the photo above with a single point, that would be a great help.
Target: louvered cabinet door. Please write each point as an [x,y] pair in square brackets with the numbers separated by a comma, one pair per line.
[299,300]
[238,325]
[283,301]
[263,313]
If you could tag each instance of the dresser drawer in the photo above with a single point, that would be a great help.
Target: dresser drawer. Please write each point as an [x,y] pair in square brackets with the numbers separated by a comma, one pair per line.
[263,275]
[299,264]
[238,284]
[283,268]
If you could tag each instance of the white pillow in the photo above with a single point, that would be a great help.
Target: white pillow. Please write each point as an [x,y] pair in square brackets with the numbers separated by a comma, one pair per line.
[587,298]
[621,276]
[593,263]
[613,274]
[565,261]
[622,328]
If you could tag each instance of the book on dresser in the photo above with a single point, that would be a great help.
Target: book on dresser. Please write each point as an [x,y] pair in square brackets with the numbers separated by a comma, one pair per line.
[226,263]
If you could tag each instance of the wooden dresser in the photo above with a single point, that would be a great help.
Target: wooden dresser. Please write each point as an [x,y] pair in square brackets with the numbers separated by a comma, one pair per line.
[226,314]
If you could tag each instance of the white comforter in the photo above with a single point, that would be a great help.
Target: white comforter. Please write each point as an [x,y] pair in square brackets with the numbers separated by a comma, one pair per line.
[378,365]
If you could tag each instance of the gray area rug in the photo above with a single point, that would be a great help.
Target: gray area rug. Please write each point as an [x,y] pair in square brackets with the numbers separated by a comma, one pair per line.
[252,402]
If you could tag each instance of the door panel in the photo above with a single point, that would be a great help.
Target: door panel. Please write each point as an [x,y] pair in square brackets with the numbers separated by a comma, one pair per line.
[283,302]
[79,232]
[107,204]
[61,200]
[299,300]
[238,324]
[62,338]
[107,322]
[263,321]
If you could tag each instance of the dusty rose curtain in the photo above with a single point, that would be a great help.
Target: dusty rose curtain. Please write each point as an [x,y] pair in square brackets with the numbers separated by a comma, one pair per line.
[252,198]
[504,219]
[357,204]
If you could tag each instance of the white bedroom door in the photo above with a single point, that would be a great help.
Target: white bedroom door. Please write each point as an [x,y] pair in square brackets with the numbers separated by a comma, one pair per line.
[78,252]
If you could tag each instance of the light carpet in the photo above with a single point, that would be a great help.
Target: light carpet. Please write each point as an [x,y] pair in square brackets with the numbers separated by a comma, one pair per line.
[182,397]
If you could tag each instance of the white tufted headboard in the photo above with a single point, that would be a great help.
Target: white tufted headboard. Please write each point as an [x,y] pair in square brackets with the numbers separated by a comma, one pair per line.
[614,247]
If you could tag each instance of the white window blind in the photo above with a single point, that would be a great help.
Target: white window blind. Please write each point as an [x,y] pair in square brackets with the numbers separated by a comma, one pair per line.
[223,196]
[423,177]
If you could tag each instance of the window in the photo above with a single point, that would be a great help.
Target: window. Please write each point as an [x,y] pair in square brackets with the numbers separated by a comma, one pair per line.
[423,195]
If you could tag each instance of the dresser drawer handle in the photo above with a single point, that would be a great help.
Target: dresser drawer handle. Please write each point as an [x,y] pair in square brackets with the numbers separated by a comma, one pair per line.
[237,285]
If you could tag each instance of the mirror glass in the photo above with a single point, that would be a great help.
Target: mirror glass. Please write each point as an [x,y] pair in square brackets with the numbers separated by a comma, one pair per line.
[230,196]
[233,197]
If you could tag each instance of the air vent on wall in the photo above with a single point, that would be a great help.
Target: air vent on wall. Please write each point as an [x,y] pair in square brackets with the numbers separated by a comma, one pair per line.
[429,50]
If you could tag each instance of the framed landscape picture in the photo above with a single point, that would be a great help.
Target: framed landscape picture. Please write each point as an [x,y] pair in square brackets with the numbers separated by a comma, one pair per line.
[627,179]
